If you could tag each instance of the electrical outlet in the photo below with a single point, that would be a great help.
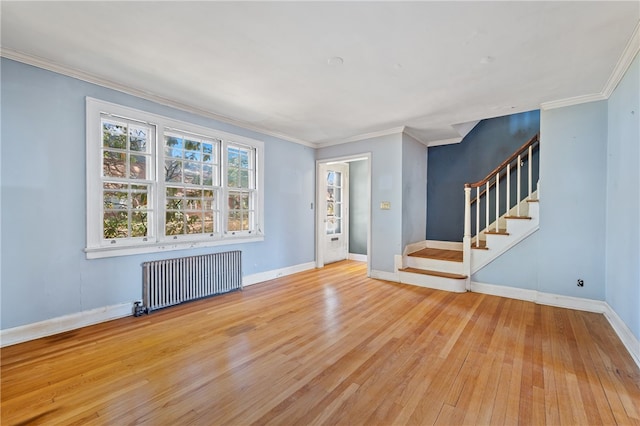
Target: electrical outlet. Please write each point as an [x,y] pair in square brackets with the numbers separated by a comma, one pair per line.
[580,283]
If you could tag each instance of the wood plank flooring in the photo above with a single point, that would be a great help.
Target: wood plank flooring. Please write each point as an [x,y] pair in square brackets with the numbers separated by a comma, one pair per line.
[329,346]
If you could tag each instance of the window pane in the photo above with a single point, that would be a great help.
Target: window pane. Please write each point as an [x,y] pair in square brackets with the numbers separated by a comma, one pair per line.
[331,178]
[115,200]
[174,223]
[244,159]
[194,223]
[114,164]
[207,174]
[192,173]
[138,167]
[173,146]
[114,135]
[139,224]
[173,171]
[207,150]
[244,179]
[234,201]
[191,145]
[116,224]
[234,221]
[139,200]
[138,137]
[232,178]
[331,225]
[209,222]
[233,155]
[174,192]
[245,202]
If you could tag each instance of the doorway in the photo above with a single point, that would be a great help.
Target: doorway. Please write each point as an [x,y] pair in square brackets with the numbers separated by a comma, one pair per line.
[334,184]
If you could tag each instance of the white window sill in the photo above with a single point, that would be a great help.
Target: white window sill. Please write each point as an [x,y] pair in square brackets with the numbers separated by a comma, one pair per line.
[103,252]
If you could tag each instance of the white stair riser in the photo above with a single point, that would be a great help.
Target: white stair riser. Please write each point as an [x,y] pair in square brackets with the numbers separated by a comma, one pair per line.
[433,264]
[429,281]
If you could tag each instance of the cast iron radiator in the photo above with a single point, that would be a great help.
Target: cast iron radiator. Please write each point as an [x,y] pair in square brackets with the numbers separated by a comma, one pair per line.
[173,281]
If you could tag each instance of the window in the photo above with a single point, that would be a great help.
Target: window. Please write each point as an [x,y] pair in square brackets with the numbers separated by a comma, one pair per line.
[241,188]
[156,184]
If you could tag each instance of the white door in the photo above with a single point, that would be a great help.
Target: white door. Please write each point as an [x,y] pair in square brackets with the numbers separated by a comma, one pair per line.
[335,186]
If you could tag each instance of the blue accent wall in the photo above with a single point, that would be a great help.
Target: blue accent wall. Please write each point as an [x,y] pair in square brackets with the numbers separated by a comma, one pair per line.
[449,167]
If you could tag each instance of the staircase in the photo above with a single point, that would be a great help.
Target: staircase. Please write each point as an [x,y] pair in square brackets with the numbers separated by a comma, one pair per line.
[448,266]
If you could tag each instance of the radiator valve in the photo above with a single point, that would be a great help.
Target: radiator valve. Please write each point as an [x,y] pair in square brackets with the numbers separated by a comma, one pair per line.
[138,309]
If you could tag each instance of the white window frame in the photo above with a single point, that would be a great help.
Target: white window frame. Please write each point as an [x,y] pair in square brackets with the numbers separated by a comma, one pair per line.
[98,247]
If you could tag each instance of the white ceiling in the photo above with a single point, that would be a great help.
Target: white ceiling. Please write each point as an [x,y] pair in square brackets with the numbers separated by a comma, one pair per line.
[426,66]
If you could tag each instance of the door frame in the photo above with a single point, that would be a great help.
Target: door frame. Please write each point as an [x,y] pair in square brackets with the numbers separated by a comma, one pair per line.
[320,214]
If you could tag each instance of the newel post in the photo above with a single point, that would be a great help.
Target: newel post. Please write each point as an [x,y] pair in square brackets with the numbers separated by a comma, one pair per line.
[466,240]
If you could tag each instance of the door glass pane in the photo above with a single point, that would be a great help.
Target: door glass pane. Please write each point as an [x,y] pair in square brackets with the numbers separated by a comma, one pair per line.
[334,202]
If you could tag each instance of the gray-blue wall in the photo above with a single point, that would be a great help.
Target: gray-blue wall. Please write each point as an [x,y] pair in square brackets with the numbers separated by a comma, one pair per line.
[451,166]
[386,185]
[45,273]
[573,160]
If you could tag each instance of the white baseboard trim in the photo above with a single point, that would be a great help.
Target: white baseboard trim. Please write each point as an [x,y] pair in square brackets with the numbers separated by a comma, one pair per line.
[569,302]
[276,273]
[37,330]
[629,340]
[357,257]
[384,275]
[624,333]
[503,291]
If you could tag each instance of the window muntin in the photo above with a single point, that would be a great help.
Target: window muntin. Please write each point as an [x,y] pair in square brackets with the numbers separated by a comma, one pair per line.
[147,192]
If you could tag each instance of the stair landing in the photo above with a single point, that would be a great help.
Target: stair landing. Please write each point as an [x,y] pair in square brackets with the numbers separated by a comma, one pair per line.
[438,254]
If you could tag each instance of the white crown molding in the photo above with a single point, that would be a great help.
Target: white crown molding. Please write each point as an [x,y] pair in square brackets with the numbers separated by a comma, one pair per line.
[576,100]
[629,53]
[463,129]
[623,64]
[109,84]
[441,142]
[407,131]
[364,136]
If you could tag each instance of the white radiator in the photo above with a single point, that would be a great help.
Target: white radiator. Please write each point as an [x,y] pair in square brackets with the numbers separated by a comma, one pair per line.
[173,281]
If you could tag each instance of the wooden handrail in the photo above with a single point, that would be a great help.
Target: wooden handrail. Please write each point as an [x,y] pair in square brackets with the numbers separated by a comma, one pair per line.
[523,148]
[492,184]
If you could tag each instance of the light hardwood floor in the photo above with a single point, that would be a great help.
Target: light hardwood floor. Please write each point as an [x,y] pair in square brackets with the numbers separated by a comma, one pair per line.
[329,346]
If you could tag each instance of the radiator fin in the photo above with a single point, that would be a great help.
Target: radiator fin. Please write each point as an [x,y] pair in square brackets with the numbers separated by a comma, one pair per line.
[173,281]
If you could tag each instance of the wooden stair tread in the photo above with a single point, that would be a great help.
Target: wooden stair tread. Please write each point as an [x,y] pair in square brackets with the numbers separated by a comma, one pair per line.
[438,254]
[518,217]
[434,273]
[498,232]
[533,200]
[480,247]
